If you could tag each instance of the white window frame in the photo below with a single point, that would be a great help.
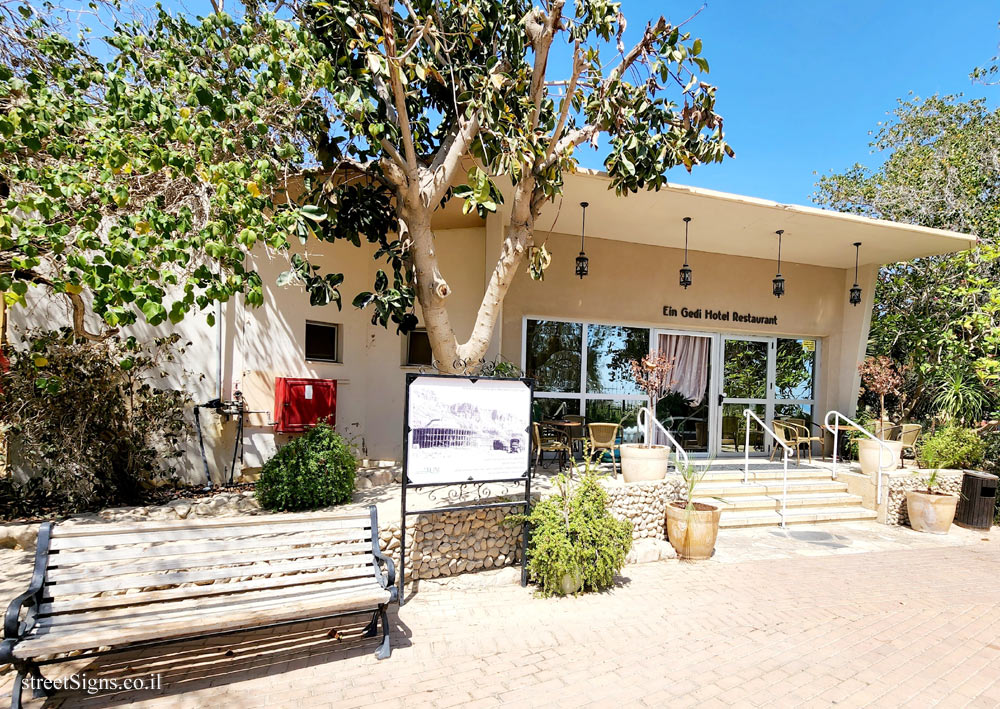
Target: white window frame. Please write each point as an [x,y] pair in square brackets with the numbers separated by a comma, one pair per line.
[338,344]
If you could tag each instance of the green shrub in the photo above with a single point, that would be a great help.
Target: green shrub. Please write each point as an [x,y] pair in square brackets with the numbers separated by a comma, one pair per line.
[574,534]
[952,447]
[313,470]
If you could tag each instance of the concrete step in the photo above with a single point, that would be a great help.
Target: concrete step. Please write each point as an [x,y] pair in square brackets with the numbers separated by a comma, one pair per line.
[773,502]
[798,515]
[765,474]
[728,489]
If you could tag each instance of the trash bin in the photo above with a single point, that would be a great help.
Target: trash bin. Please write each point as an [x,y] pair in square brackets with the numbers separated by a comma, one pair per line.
[977,504]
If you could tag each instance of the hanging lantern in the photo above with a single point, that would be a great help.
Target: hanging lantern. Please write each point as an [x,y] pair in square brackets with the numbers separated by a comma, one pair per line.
[582,262]
[685,269]
[778,284]
[856,289]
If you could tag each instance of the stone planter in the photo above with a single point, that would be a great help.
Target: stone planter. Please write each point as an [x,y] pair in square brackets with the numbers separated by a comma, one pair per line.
[641,463]
[869,451]
[932,512]
[693,534]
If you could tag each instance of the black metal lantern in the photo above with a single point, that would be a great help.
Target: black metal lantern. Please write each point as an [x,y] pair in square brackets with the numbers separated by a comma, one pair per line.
[582,262]
[778,284]
[685,269]
[856,289]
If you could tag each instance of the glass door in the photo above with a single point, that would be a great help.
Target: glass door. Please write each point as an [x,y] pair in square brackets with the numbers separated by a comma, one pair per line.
[687,408]
[746,382]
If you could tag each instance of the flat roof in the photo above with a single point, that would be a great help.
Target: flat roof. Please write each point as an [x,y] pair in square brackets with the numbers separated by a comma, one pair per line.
[738,225]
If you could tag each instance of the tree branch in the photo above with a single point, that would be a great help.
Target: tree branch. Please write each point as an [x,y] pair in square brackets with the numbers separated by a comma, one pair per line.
[541,30]
[567,101]
[399,93]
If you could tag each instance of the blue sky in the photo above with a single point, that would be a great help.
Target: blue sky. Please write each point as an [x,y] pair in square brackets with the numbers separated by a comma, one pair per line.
[801,83]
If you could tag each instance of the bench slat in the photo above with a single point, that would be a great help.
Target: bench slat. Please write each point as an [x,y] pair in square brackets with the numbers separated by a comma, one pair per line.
[195,534]
[63,605]
[86,638]
[172,579]
[186,563]
[67,558]
[88,530]
[192,607]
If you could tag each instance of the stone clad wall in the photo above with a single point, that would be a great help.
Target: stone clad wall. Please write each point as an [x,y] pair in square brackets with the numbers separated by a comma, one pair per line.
[948,481]
[455,542]
[644,503]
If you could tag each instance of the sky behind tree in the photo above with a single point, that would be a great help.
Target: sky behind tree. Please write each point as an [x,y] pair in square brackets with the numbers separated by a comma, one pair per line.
[801,84]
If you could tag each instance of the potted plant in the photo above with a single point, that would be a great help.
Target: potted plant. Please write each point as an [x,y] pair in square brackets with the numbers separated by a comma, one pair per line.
[879,376]
[692,527]
[931,511]
[647,461]
[575,543]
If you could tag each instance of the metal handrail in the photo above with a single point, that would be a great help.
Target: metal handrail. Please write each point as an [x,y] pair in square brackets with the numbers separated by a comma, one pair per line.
[640,421]
[857,426]
[748,414]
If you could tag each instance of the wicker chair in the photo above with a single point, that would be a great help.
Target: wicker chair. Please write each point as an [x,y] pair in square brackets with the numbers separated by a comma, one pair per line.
[551,440]
[604,437]
[804,436]
[787,434]
[908,434]
[577,434]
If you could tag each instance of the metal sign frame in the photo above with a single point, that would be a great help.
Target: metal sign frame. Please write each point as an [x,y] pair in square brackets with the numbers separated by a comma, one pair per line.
[482,489]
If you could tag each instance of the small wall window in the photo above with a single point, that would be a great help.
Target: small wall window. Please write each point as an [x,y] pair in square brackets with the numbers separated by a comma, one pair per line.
[322,342]
[418,349]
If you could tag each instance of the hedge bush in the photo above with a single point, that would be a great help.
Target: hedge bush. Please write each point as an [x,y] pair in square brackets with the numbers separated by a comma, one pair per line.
[952,447]
[310,471]
[574,534]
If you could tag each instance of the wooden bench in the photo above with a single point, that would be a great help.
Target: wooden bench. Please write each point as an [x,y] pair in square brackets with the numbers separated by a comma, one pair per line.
[192,579]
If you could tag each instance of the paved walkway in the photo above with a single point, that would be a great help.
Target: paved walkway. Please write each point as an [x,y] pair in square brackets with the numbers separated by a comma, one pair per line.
[910,627]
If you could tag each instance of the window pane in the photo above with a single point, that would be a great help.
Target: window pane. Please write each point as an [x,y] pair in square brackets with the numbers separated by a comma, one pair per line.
[796,413]
[610,349]
[795,367]
[553,355]
[614,411]
[321,342]
[543,409]
[418,348]
[734,432]
[745,369]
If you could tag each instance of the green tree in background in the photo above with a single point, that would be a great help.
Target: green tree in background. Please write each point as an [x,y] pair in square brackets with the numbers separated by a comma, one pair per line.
[138,170]
[938,317]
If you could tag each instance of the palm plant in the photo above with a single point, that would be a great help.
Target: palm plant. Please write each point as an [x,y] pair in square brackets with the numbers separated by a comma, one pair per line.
[960,395]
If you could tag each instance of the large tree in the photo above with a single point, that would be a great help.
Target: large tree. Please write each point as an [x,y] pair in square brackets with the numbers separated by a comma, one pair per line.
[426,87]
[140,169]
[938,317]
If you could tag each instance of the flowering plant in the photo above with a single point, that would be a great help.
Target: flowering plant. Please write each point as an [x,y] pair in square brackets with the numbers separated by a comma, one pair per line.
[879,376]
[652,375]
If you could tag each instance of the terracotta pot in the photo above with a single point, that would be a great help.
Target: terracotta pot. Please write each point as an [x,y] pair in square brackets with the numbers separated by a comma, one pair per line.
[869,451]
[692,534]
[641,463]
[932,513]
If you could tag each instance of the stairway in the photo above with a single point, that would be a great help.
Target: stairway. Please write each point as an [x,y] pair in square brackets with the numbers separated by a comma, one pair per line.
[813,496]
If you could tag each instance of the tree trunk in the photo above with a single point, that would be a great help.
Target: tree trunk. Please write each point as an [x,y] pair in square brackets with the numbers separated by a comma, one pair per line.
[450,356]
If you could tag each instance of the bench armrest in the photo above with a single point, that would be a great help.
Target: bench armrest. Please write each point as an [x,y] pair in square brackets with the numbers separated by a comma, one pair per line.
[389,580]
[12,619]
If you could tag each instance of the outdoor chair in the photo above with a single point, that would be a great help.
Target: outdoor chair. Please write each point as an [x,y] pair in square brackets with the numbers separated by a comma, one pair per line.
[731,432]
[804,437]
[788,435]
[908,434]
[577,434]
[551,440]
[604,437]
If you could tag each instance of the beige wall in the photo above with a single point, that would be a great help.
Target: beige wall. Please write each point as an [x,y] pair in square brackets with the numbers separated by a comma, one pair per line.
[628,284]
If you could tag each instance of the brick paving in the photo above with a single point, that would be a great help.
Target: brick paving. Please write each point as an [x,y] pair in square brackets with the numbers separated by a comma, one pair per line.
[909,627]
